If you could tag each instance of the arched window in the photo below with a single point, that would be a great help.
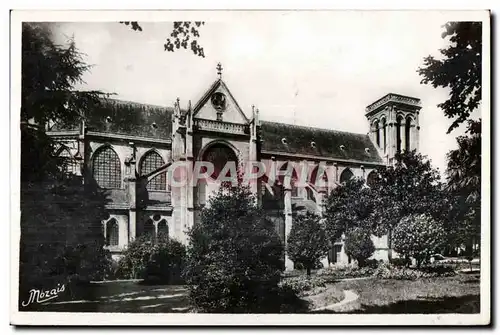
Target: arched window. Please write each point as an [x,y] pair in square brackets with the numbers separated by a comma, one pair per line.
[384,133]
[107,168]
[150,162]
[163,229]
[407,134]
[310,194]
[149,229]
[219,155]
[293,180]
[112,232]
[201,192]
[371,178]
[319,178]
[346,175]
[399,122]
[377,133]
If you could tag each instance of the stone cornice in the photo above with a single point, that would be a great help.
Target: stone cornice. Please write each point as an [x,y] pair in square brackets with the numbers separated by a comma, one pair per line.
[321,158]
[128,137]
[397,98]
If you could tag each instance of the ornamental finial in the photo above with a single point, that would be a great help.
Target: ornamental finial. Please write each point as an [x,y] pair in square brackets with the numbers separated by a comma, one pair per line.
[219,70]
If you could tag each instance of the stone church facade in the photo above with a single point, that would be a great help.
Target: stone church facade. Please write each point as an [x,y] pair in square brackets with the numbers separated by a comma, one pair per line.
[127,148]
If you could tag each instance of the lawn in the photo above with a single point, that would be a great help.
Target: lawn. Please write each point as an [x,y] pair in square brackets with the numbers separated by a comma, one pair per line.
[123,297]
[458,294]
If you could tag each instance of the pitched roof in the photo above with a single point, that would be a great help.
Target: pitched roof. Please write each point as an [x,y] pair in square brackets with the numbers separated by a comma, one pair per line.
[327,143]
[127,118]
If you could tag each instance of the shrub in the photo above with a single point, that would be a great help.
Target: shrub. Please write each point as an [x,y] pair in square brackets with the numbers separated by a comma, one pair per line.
[162,261]
[350,271]
[359,245]
[418,236]
[307,242]
[388,271]
[235,257]
[304,285]
[372,263]
[400,262]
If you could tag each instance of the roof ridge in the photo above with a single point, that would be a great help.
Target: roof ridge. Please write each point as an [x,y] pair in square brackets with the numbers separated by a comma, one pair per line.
[315,128]
[138,103]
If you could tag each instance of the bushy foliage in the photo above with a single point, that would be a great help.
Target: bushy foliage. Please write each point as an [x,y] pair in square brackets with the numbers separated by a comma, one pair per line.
[235,257]
[389,271]
[304,285]
[343,272]
[61,234]
[418,236]
[162,260]
[410,186]
[307,242]
[400,262]
[464,184]
[61,231]
[349,205]
[359,245]
[458,69]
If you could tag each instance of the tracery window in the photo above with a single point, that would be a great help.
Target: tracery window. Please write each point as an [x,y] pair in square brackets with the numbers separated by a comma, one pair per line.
[152,161]
[107,168]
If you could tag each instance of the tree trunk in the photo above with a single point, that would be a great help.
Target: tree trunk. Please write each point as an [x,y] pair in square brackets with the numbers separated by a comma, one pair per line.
[308,271]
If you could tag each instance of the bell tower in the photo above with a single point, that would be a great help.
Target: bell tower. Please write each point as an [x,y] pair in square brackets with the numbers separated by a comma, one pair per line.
[394,124]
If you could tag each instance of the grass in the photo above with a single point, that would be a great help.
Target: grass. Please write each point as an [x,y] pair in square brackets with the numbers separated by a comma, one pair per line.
[458,294]
[330,295]
[122,297]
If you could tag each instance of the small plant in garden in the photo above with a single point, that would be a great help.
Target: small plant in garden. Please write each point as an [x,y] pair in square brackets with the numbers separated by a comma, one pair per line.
[162,261]
[235,257]
[307,242]
[418,236]
[359,245]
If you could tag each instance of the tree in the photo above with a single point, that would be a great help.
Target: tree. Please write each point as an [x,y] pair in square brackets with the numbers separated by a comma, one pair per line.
[184,34]
[359,245]
[235,257]
[307,242]
[348,206]
[410,186]
[48,77]
[459,70]
[418,236]
[61,230]
[464,184]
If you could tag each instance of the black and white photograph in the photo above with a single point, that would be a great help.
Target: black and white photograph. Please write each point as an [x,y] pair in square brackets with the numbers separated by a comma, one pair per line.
[284,167]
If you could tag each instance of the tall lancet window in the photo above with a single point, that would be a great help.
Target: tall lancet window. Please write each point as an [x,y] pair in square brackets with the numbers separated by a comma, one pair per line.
[384,133]
[377,133]
[408,134]
[399,122]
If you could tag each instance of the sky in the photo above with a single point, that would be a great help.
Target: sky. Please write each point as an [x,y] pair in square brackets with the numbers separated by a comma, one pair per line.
[318,68]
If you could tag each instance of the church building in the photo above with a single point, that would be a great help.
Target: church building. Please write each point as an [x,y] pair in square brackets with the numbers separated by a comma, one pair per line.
[127,148]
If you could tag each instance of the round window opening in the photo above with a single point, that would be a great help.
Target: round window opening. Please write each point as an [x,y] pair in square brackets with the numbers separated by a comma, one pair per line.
[219,101]
[220,155]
